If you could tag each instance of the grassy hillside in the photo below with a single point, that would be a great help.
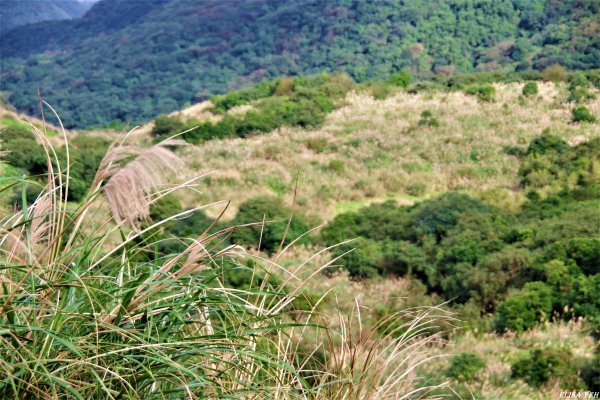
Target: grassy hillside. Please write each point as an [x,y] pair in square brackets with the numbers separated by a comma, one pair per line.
[372,150]
[482,197]
[131,60]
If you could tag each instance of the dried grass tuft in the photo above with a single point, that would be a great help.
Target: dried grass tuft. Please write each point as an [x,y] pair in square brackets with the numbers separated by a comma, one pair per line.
[129,189]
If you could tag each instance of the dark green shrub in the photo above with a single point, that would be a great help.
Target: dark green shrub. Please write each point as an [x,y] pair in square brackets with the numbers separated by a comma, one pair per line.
[593,75]
[165,125]
[535,369]
[582,114]
[540,366]
[87,153]
[23,151]
[530,89]
[276,215]
[483,92]
[404,258]
[230,100]
[377,222]
[26,154]
[525,308]
[191,226]
[586,253]
[546,143]
[579,95]
[578,80]
[465,366]
[439,215]
[591,372]
[165,207]
[401,78]
[513,151]
[363,258]
[32,192]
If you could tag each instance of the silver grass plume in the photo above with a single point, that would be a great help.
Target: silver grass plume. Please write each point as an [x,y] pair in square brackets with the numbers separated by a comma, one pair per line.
[129,189]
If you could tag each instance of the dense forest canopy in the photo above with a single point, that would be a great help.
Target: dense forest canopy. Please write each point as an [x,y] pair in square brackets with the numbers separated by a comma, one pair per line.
[131,60]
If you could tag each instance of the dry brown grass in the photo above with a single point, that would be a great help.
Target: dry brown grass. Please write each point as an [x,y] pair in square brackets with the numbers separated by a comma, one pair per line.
[374,149]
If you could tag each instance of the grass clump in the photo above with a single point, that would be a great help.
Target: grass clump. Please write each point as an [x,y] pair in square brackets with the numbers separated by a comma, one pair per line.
[427,119]
[90,309]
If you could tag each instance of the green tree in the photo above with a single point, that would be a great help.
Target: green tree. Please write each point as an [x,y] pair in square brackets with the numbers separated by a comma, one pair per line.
[525,308]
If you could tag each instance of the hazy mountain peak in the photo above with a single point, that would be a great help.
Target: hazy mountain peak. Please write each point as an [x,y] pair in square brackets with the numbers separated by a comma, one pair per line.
[14,13]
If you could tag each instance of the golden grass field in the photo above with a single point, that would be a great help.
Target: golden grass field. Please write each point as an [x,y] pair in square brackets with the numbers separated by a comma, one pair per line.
[370,150]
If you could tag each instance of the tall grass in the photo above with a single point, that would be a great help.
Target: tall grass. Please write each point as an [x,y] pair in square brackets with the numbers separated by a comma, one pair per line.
[89,309]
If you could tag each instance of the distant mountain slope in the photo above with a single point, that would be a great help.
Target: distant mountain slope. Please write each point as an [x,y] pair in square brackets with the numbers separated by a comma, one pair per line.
[131,60]
[14,13]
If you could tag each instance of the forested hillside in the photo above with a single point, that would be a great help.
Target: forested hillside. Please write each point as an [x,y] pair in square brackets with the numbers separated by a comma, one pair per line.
[15,13]
[131,60]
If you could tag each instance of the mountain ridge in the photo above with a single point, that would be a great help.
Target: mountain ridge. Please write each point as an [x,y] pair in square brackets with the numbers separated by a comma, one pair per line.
[15,13]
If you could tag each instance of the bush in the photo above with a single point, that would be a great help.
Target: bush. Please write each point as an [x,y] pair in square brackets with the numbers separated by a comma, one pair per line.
[427,119]
[525,308]
[539,366]
[439,215]
[483,92]
[591,373]
[530,89]
[586,253]
[165,207]
[23,150]
[578,80]
[547,143]
[379,91]
[554,73]
[465,366]
[230,100]
[336,166]
[377,222]
[593,76]
[578,95]
[582,114]
[404,258]
[165,125]
[401,78]
[276,215]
